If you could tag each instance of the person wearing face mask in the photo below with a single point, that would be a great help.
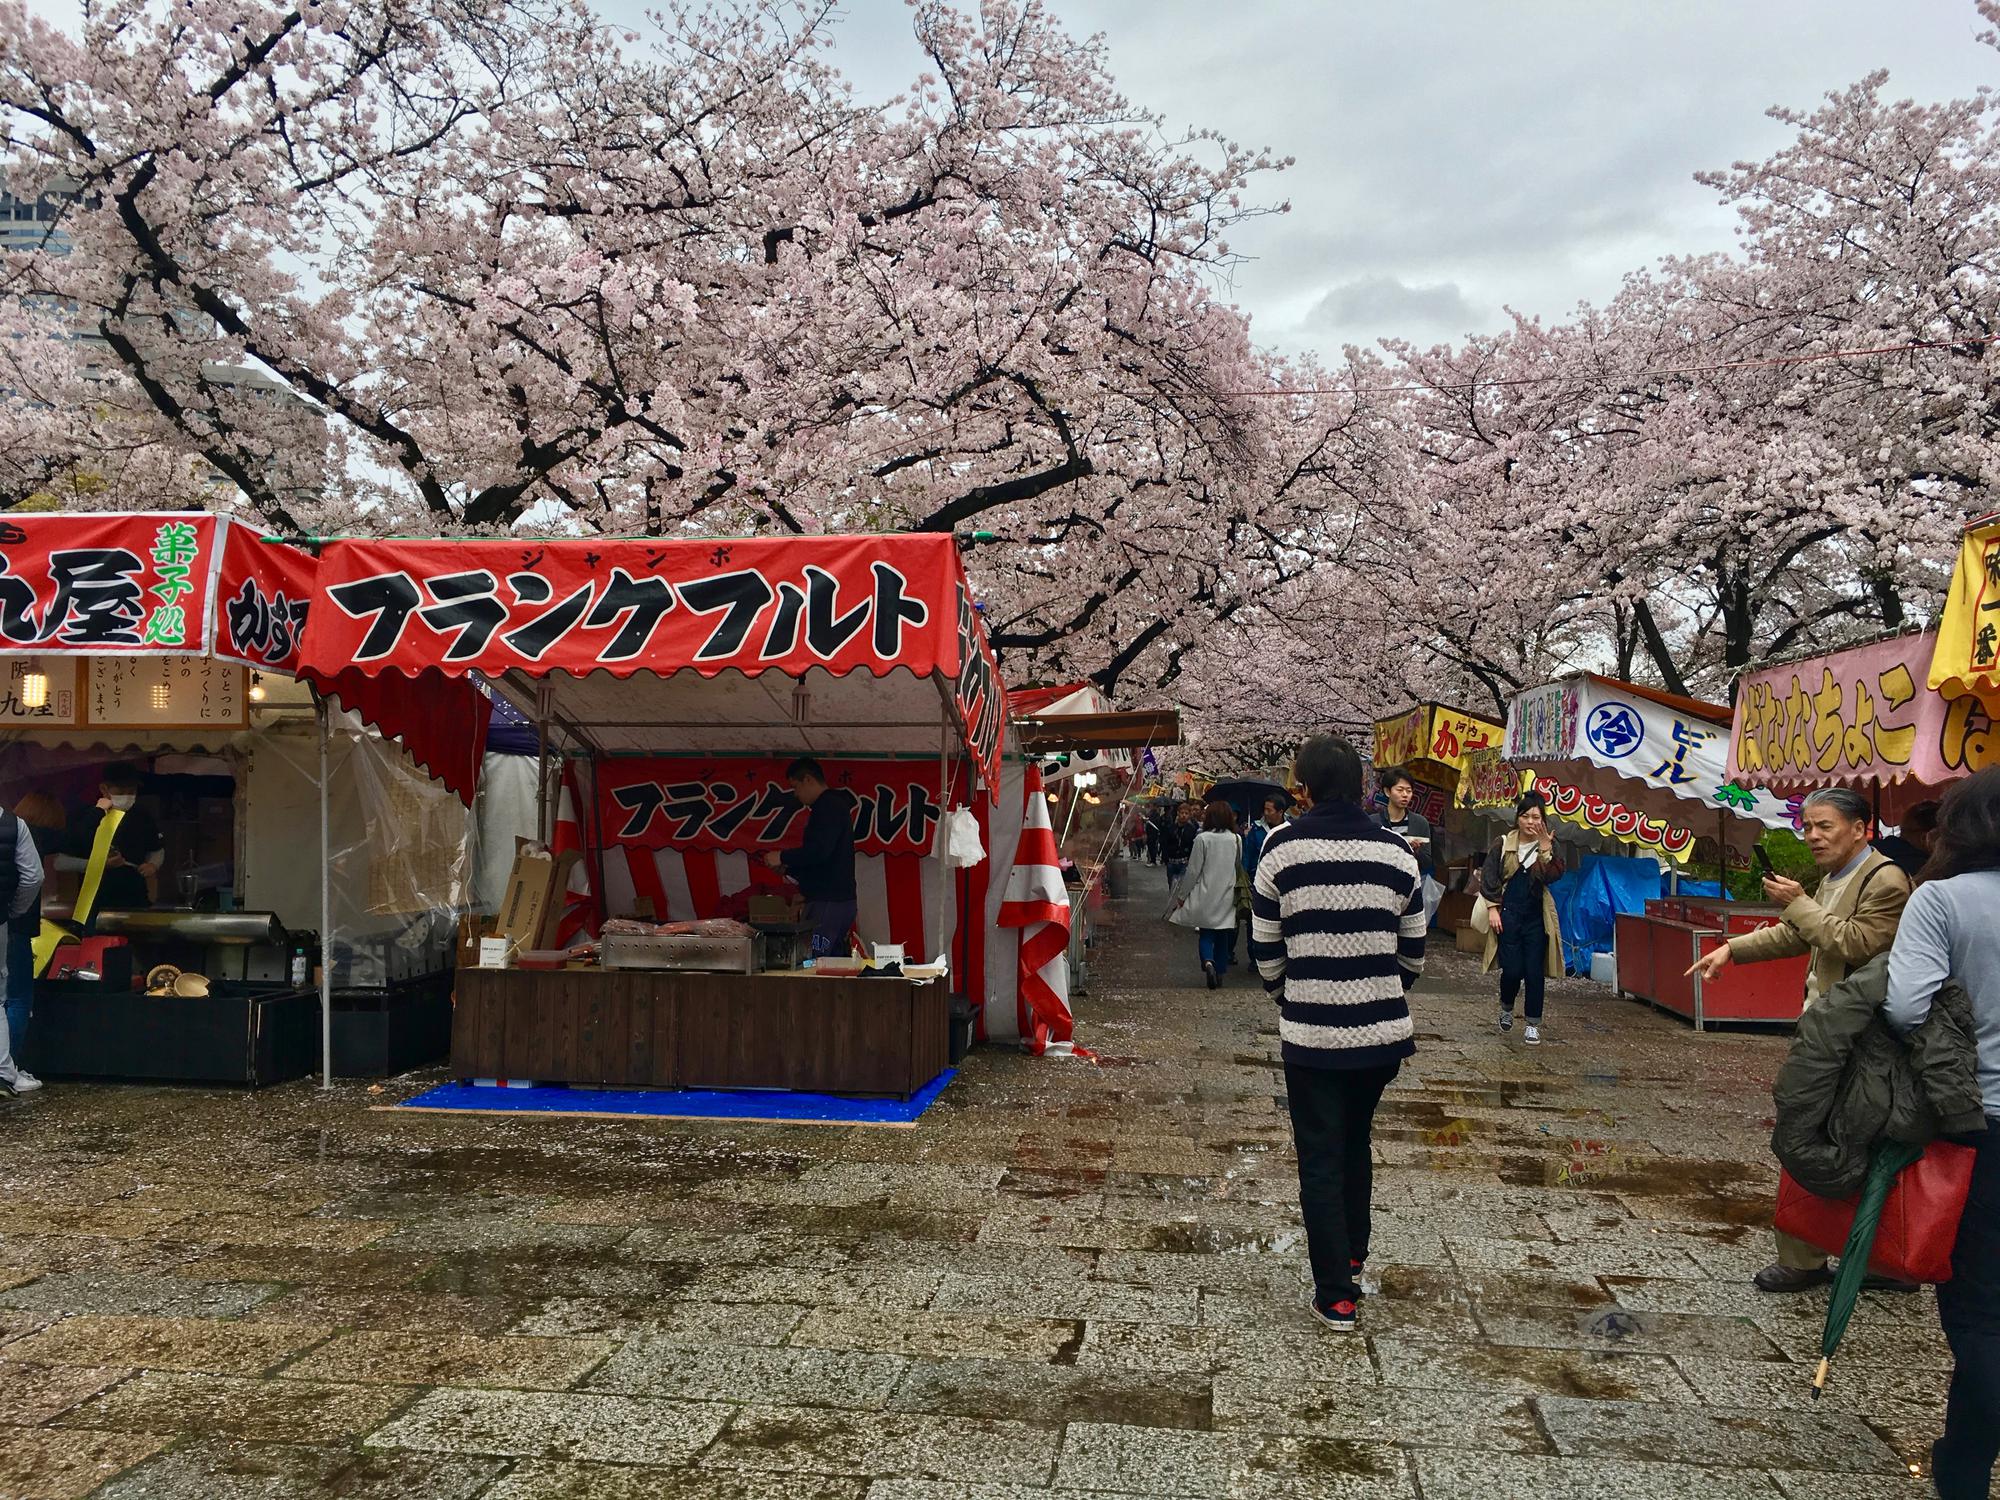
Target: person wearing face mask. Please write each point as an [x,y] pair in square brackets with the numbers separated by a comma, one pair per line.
[1524,939]
[137,849]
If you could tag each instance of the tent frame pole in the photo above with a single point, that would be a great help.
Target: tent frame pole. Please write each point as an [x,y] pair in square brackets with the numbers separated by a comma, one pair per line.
[947,919]
[325,899]
[544,828]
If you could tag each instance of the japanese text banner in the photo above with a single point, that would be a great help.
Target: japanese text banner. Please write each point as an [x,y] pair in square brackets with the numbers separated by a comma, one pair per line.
[1491,784]
[1628,748]
[1968,639]
[1858,718]
[120,584]
[1402,739]
[682,802]
[261,598]
[841,603]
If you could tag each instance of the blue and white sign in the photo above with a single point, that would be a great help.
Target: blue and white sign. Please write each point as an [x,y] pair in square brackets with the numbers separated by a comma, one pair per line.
[1619,744]
[1615,731]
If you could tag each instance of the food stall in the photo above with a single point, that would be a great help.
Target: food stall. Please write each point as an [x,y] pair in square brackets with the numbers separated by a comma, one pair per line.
[673,680]
[1863,718]
[1663,756]
[167,641]
[1431,741]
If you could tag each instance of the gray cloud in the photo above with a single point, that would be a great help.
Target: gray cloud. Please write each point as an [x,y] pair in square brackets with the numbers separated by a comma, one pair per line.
[1527,154]
[1384,304]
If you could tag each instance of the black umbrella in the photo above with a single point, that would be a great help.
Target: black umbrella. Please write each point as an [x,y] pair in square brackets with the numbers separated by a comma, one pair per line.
[1247,796]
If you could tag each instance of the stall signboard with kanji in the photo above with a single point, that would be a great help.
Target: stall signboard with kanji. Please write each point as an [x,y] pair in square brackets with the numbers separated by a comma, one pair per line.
[1432,742]
[1646,750]
[781,605]
[261,594]
[686,802]
[39,692]
[166,692]
[1541,724]
[1863,717]
[1967,657]
[106,584]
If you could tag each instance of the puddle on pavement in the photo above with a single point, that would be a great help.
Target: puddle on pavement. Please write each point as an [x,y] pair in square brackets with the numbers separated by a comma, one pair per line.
[1215,1239]
[1585,1374]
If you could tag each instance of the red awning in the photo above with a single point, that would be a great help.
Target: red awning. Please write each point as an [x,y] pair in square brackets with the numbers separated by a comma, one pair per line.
[807,644]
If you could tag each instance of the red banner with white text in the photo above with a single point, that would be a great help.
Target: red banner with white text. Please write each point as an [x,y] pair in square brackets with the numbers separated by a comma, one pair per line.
[107,584]
[261,597]
[693,802]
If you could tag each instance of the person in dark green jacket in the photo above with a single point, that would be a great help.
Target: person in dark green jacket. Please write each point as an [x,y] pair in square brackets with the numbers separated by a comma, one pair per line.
[1850,1080]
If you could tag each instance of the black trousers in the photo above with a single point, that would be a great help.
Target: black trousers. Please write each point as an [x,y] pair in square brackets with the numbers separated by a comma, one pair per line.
[1524,955]
[1969,1308]
[1333,1112]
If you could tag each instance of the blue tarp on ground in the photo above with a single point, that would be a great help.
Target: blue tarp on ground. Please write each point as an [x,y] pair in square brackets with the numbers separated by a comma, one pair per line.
[773,1105]
[1590,896]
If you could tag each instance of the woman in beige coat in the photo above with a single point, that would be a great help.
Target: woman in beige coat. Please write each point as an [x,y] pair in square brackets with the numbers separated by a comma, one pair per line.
[1525,937]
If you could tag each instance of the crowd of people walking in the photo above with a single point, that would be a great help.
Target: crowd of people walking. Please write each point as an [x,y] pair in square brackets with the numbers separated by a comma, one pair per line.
[1900,1033]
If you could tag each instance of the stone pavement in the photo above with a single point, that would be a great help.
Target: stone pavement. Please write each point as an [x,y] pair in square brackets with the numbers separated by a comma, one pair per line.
[1068,1280]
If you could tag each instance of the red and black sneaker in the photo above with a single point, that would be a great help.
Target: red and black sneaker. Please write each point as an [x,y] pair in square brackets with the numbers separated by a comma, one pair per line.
[1336,1315]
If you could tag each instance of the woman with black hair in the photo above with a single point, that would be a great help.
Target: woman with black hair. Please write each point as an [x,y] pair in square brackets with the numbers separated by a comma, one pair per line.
[1525,938]
[1951,930]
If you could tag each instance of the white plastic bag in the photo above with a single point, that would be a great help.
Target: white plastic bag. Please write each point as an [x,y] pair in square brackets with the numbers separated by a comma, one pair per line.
[957,842]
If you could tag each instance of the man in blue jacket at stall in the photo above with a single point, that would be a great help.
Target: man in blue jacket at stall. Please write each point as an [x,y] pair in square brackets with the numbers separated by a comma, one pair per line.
[823,865]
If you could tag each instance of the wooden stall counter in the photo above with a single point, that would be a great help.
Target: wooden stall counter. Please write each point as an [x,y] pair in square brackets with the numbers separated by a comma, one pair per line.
[643,1028]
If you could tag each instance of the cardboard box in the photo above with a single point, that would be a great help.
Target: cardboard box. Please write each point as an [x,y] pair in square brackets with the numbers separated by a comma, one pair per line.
[770,907]
[524,905]
[1471,940]
[552,915]
[471,929]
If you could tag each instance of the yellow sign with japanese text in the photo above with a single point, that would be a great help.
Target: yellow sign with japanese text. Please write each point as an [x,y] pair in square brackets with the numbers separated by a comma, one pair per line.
[1967,658]
[1433,741]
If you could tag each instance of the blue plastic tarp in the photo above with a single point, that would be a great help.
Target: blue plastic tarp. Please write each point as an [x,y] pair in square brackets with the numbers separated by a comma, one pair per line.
[1589,898]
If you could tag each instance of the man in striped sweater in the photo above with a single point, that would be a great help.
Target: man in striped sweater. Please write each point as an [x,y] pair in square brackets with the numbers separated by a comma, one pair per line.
[1337,931]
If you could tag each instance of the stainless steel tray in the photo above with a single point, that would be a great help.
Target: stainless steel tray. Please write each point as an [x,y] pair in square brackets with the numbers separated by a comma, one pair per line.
[724,955]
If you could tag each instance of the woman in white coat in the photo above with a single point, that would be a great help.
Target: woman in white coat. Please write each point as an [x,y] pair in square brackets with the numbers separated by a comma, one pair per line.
[1206,897]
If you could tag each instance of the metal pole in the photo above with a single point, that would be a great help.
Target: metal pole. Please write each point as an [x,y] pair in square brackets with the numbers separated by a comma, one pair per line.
[544,832]
[325,905]
[947,918]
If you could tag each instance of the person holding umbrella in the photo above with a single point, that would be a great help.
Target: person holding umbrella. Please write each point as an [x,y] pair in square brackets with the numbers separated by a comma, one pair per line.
[1949,932]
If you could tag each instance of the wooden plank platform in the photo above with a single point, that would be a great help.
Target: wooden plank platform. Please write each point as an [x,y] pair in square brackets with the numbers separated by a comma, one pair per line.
[634,1028]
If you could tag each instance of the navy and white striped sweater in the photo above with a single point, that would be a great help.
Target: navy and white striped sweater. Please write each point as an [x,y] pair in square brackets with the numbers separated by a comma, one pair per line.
[1337,931]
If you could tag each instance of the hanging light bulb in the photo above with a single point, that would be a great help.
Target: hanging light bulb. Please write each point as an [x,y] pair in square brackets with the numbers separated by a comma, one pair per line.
[34,685]
[257,690]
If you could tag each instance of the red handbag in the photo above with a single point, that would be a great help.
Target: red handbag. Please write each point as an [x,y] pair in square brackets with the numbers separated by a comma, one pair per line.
[1919,1220]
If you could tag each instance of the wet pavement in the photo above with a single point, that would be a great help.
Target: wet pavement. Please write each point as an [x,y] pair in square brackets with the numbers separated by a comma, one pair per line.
[1068,1279]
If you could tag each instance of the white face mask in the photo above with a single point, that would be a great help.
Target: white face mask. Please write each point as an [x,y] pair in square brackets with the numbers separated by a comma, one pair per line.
[122,801]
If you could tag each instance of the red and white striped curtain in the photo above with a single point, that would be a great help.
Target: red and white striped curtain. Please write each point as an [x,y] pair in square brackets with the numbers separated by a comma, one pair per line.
[1009,935]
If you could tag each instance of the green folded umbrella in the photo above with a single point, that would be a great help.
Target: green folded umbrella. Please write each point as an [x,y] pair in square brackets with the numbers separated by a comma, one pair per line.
[1885,1160]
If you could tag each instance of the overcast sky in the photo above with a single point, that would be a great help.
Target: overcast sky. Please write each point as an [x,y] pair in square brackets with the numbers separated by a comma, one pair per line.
[1458,157]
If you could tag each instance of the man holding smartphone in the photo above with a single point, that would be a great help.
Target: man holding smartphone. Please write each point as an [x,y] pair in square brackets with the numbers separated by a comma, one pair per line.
[1850,918]
[1398,792]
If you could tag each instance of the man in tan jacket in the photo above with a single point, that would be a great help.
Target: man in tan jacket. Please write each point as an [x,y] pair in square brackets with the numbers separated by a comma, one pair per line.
[1847,921]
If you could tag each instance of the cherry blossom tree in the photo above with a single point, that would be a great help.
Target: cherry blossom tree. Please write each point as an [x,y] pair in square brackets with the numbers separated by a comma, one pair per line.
[493,266]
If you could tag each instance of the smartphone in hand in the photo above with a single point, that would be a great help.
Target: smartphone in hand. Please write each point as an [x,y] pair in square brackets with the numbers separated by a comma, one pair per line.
[1763,860]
